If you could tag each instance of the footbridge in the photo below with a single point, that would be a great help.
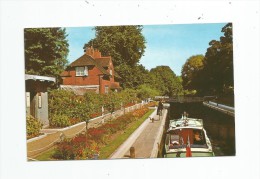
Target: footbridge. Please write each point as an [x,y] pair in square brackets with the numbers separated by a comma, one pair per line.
[184,99]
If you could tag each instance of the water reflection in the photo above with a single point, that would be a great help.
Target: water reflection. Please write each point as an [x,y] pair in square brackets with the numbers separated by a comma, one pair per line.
[220,127]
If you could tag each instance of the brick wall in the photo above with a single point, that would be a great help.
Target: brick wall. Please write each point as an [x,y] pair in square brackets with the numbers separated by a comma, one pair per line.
[91,79]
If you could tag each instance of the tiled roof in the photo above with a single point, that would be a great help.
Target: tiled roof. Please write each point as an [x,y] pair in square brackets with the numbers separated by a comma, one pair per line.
[115,85]
[86,60]
[104,62]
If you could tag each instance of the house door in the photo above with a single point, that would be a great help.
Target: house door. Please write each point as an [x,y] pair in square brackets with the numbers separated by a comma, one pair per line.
[33,104]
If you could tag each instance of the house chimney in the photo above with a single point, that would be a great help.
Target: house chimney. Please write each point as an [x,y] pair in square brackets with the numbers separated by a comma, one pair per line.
[90,51]
[94,53]
[97,53]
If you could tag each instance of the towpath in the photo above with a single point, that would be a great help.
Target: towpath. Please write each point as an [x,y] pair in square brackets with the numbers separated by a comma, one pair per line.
[145,139]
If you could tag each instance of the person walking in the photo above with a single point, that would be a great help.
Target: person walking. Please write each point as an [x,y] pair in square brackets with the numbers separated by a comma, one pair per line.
[160,108]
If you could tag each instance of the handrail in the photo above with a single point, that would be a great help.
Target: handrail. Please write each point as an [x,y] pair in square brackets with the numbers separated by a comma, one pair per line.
[185,99]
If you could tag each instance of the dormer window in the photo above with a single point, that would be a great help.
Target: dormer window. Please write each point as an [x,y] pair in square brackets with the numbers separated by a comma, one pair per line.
[82,71]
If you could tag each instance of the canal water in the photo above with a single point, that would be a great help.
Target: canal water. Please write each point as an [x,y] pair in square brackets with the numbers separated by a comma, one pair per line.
[220,127]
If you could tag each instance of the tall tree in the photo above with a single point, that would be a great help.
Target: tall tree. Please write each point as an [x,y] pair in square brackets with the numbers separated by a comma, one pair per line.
[132,77]
[46,51]
[190,72]
[165,81]
[125,44]
[218,63]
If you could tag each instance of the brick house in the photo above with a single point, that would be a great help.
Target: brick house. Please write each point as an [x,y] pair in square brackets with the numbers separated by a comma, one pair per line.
[91,72]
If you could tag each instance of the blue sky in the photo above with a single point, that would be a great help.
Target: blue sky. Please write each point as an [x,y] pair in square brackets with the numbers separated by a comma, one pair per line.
[169,45]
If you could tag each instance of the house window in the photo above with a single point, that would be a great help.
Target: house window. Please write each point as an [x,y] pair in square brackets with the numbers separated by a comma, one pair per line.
[106,89]
[111,72]
[82,71]
[28,101]
[39,100]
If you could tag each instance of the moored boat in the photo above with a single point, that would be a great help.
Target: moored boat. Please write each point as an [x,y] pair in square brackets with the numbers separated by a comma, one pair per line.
[186,137]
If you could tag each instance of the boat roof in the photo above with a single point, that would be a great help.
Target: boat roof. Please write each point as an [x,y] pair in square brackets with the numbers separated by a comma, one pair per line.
[186,123]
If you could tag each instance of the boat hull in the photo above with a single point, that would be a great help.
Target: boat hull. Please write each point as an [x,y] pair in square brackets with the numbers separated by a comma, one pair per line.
[183,154]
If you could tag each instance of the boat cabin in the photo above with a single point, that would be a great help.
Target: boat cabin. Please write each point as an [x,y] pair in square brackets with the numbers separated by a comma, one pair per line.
[186,137]
[179,138]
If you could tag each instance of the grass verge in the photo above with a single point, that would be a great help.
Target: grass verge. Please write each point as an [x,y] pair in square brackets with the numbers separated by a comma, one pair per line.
[46,155]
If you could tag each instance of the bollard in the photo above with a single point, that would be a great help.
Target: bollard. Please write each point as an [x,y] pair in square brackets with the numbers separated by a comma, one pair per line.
[132,152]
[95,157]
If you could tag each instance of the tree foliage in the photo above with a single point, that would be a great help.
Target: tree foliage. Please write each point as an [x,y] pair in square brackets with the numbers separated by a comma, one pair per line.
[190,72]
[218,64]
[144,92]
[125,44]
[132,76]
[213,74]
[46,51]
[165,81]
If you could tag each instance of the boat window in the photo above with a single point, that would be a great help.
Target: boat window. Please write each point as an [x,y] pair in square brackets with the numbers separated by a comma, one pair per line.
[167,139]
[174,141]
[198,137]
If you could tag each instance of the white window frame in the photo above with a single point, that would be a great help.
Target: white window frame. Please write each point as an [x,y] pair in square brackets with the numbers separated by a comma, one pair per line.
[106,89]
[82,71]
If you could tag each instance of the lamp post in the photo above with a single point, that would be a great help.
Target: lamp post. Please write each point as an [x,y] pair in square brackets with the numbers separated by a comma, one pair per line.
[86,130]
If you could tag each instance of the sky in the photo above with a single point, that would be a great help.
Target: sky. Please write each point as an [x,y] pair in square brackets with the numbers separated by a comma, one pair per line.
[168,45]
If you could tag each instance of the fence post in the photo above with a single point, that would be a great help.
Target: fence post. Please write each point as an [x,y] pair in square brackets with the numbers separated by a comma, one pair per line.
[132,152]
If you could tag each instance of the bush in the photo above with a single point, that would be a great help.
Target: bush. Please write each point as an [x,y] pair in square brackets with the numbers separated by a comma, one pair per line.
[33,127]
[60,120]
[76,148]
[65,104]
[145,92]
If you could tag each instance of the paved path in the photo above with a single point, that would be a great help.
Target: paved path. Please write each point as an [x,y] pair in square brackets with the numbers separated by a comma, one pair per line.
[146,141]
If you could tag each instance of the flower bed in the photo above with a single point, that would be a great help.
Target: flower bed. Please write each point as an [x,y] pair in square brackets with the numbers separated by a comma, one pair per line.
[85,146]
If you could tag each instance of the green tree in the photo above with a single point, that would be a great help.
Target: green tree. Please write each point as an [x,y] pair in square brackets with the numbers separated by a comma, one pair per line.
[125,44]
[132,77]
[165,81]
[127,96]
[218,64]
[144,91]
[46,51]
[190,73]
[112,101]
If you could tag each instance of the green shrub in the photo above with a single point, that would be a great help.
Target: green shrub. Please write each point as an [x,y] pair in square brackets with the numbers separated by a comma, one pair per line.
[67,103]
[145,91]
[60,120]
[33,126]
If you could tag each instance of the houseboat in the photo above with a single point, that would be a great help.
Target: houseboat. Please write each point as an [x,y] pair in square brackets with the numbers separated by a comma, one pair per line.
[186,137]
